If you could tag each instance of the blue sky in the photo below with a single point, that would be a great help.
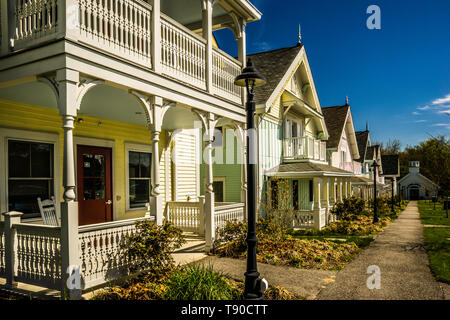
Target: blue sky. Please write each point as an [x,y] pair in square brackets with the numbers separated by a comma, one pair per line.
[396,78]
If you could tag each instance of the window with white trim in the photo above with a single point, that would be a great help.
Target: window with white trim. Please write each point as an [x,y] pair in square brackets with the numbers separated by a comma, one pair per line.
[30,175]
[139,178]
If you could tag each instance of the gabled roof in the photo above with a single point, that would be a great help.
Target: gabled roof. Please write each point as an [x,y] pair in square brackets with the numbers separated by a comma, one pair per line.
[362,137]
[335,118]
[391,165]
[306,169]
[273,65]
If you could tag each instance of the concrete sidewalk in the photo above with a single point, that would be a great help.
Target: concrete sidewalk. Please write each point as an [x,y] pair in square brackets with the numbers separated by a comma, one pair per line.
[399,253]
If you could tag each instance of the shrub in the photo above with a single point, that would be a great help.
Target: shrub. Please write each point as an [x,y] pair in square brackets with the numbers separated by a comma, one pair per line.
[348,208]
[197,282]
[151,246]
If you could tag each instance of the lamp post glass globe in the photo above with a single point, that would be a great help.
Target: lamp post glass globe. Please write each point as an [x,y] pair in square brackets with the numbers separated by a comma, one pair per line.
[250,78]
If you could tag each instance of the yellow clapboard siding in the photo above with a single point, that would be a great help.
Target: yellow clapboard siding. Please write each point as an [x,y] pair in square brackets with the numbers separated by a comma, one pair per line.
[26,117]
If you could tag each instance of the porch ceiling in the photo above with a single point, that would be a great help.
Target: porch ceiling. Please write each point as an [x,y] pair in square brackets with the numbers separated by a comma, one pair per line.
[188,12]
[111,103]
[31,93]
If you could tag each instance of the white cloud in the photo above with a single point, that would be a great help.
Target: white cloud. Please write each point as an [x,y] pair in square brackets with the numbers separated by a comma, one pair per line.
[446,99]
[416,113]
[423,108]
[419,121]
[445,112]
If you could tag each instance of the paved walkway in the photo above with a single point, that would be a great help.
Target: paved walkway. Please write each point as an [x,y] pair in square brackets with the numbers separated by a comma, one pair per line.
[399,253]
[304,283]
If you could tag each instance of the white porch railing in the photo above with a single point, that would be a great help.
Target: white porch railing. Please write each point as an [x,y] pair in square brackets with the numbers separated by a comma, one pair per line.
[35,252]
[225,70]
[189,217]
[100,252]
[182,53]
[228,212]
[35,21]
[304,148]
[123,28]
[184,215]
[303,219]
[38,254]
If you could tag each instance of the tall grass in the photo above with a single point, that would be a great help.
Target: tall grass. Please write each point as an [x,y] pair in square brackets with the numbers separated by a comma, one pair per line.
[199,282]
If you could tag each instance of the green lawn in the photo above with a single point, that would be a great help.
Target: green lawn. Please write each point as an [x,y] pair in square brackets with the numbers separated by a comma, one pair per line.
[437,240]
[437,244]
[430,216]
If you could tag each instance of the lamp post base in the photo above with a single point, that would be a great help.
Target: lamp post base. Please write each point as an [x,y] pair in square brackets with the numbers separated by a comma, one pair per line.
[253,290]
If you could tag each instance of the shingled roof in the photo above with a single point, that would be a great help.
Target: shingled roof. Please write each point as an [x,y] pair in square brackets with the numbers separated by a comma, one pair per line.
[273,65]
[362,137]
[335,121]
[390,165]
[306,168]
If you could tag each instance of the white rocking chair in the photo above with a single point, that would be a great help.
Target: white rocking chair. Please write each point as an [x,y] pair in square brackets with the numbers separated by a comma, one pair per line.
[48,211]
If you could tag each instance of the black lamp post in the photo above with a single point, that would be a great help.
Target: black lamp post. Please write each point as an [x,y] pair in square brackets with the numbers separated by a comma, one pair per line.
[392,200]
[250,78]
[375,165]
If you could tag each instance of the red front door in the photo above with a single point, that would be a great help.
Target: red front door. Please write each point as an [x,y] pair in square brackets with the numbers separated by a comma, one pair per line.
[94,185]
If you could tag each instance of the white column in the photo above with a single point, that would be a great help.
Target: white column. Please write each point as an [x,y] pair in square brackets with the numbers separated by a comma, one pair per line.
[317,182]
[207,9]
[156,36]
[156,197]
[11,218]
[333,191]
[242,51]
[210,227]
[340,197]
[67,82]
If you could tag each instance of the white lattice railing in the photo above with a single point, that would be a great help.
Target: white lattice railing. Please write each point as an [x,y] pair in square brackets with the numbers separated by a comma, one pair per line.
[100,251]
[34,21]
[38,255]
[228,212]
[184,215]
[2,248]
[303,219]
[121,27]
[182,53]
[225,70]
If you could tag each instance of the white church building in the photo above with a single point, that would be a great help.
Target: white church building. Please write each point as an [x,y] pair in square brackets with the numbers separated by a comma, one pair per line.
[415,186]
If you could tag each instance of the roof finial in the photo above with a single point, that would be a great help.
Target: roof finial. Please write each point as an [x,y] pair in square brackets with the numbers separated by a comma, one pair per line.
[346,100]
[299,41]
[367,126]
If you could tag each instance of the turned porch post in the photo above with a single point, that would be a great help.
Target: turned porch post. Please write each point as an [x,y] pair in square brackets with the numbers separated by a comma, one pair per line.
[155,128]
[210,227]
[156,35]
[207,10]
[67,83]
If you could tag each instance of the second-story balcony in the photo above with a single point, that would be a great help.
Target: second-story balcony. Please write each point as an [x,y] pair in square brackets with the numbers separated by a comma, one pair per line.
[304,148]
[353,166]
[131,30]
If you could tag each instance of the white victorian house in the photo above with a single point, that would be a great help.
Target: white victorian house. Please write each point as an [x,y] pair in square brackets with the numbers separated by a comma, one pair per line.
[97,97]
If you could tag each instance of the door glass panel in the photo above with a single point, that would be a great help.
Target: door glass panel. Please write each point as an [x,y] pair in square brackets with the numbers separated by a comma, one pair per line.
[93,165]
[94,188]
